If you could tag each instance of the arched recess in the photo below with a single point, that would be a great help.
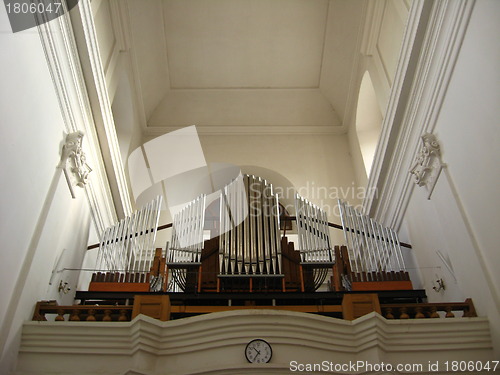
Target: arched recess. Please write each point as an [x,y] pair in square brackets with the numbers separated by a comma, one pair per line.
[368,121]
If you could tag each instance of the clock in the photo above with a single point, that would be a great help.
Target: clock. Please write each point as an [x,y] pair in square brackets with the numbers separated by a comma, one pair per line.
[258,351]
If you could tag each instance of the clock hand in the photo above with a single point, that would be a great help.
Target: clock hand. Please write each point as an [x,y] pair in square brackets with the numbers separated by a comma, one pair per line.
[258,353]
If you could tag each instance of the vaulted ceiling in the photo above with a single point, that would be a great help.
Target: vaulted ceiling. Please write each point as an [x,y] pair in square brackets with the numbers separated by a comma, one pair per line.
[237,65]
[248,67]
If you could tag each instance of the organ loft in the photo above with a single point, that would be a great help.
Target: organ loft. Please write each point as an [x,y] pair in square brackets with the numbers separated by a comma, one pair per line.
[233,251]
[383,96]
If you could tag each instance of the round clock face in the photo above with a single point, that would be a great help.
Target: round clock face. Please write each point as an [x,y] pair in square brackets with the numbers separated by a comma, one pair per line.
[258,351]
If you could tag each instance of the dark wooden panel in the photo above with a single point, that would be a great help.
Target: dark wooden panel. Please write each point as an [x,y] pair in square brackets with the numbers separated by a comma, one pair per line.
[118,287]
[381,285]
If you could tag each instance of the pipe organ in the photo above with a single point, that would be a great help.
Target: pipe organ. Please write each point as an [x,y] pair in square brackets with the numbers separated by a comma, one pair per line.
[249,239]
[316,254]
[246,243]
[186,247]
[126,250]
[234,244]
[313,233]
[187,233]
[374,251]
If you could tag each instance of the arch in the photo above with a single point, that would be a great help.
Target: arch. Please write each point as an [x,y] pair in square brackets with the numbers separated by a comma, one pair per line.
[368,121]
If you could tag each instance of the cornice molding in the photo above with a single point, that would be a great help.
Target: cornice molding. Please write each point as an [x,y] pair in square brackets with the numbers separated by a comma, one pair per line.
[375,9]
[419,89]
[59,45]
[283,130]
[402,82]
[98,93]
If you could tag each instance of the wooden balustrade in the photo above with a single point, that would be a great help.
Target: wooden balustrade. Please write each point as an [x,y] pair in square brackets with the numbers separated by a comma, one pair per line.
[428,310]
[89,313]
[353,306]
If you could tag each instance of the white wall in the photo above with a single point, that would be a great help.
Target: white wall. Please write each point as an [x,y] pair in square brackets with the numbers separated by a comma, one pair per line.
[462,216]
[319,166]
[38,217]
[127,125]
[357,157]
[305,160]
[368,121]
[469,130]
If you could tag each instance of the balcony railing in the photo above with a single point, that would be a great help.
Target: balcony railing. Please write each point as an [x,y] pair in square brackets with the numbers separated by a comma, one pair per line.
[429,310]
[77,313]
[348,310]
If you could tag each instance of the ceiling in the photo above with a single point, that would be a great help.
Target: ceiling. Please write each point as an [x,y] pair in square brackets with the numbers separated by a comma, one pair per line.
[244,44]
[240,65]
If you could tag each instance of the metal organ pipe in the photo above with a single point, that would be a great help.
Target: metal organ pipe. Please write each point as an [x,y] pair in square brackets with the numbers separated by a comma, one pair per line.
[314,239]
[128,245]
[371,246]
[187,233]
[313,233]
[249,233]
[249,239]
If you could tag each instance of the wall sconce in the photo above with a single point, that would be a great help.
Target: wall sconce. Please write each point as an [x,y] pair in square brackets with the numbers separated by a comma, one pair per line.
[440,286]
[63,287]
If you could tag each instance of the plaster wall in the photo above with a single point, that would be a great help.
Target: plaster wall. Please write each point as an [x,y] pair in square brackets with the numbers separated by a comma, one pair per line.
[357,157]
[460,218]
[307,161]
[127,123]
[39,220]
[469,132]
[318,166]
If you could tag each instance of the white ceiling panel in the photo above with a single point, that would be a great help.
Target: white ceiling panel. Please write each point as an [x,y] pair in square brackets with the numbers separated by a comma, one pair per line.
[244,44]
[251,64]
